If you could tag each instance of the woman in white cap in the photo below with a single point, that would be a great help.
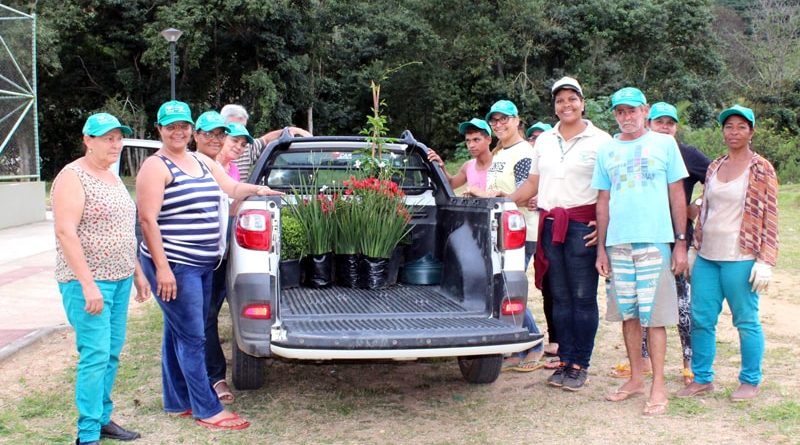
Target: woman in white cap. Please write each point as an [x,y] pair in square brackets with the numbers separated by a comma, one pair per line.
[735,249]
[561,175]
[178,195]
[96,265]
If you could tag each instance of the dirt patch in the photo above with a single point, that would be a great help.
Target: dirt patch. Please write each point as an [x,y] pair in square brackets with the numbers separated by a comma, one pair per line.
[428,402]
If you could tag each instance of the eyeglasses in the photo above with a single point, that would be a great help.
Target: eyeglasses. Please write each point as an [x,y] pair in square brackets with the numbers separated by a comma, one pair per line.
[220,135]
[499,120]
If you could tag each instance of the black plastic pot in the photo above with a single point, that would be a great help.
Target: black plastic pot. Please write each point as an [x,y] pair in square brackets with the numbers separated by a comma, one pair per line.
[346,269]
[290,273]
[318,270]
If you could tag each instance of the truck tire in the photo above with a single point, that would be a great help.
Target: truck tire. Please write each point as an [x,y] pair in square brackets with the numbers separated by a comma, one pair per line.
[481,368]
[248,371]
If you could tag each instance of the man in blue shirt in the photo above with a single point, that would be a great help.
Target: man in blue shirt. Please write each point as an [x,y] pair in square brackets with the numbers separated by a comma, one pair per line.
[641,209]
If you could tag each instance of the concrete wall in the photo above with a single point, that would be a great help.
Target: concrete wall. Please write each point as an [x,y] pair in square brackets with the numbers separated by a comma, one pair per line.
[21,203]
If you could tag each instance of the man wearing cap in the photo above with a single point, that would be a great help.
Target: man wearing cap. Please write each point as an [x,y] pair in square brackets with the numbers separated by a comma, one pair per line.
[509,169]
[95,268]
[535,130]
[641,209]
[561,175]
[248,158]
[478,138]
[663,118]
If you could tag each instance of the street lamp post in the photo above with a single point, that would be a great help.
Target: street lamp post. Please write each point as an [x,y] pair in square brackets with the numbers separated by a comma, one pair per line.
[172,35]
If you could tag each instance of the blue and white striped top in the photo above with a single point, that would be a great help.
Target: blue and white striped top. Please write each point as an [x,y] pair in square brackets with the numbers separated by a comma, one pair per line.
[189,217]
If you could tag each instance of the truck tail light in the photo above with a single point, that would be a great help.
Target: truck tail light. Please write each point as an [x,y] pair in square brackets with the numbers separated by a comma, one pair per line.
[513,230]
[253,229]
[512,306]
[257,311]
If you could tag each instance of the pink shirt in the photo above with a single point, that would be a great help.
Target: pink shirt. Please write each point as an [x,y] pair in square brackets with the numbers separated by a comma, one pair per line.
[233,171]
[475,178]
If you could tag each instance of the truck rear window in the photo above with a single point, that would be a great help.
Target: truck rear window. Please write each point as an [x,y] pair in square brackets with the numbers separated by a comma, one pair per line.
[329,167]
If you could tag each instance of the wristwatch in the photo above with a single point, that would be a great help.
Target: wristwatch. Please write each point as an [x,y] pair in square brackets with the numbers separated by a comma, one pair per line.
[680,237]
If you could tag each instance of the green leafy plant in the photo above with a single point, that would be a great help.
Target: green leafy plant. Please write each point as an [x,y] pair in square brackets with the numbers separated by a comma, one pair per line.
[382,216]
[315,214]
[346,217]
[293,240]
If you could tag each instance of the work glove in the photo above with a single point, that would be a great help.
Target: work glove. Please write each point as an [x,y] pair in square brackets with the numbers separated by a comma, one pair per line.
[692,255]
[760,275]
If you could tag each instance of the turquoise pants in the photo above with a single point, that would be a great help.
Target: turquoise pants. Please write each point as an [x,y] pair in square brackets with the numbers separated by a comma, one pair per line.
[99,340]
[712,282]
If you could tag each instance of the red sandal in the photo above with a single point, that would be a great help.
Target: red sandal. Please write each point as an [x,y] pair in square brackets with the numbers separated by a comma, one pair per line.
[224,423]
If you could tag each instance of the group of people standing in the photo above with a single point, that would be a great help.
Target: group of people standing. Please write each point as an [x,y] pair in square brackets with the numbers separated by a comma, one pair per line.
[182,196]
[619,207]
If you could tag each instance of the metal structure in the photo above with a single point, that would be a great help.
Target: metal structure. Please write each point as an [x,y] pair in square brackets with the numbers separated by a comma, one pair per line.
[19,135]
[172,35]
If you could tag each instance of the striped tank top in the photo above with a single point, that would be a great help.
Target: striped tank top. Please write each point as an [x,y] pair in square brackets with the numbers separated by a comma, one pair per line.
[189,217]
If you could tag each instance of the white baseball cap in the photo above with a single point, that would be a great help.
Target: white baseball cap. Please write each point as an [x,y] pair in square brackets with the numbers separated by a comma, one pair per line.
[568,83]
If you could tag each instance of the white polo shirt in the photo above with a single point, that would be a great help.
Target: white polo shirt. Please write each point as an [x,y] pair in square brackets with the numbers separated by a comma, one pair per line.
[565,167]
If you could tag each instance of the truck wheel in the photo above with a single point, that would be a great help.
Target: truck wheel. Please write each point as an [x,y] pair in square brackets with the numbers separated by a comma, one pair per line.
[481,368]
[248,371]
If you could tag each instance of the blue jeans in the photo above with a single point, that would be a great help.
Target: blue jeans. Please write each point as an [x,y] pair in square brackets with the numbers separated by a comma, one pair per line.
[712,282]
[572,282]
[183,353]
[99,339]
[528,321]
[215,358]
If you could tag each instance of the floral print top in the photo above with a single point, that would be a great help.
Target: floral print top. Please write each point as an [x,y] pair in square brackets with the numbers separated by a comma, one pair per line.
[106,230]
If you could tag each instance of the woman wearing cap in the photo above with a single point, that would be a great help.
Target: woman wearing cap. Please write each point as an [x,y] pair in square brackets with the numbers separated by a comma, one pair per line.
[736,244]
[535,130]
[178,195]
[509,169]
[211,132]
[561,175]
[235,145]
[95,267]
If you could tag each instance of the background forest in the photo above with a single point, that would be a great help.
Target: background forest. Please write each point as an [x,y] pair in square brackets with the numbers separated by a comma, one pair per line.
[309,63]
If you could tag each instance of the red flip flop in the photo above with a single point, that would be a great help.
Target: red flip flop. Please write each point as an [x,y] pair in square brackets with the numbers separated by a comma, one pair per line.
[224,423]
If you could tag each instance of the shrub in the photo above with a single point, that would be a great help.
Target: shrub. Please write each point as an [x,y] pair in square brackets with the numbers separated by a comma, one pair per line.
[293,240]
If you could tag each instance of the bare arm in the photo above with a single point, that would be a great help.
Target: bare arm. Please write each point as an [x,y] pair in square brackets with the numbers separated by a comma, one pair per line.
[677,205]
[275,134]
[526,191]
[602,264]
[68,201]
[231,187]
[150,184]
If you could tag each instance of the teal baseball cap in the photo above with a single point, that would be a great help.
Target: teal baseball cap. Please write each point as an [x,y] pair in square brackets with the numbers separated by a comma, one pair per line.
[659,109]
[237,129]
[739,110]
[211,120]
[628,96]
[174,111]
[101,123]
[503,107]
[541,126]
[480,124]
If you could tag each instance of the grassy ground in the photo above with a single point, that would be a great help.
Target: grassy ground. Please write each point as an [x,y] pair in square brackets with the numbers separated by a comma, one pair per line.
[428,402]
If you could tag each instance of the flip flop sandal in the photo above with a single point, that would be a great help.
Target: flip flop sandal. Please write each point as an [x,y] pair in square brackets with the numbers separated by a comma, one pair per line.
[620,395]
[222,424]
[225,395]
[528,366]
[187,413]
[655,409]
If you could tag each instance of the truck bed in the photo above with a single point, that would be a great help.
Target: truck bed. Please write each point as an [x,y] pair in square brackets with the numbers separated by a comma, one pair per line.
[394,318]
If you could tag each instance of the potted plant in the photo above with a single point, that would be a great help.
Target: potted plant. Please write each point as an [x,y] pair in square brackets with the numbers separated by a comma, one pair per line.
[293,244]
[315,217]
[346,240]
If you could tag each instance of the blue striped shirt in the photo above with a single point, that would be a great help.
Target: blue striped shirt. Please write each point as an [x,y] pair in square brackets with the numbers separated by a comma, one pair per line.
[189,217]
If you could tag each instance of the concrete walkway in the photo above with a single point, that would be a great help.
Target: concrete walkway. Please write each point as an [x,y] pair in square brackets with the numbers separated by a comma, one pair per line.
[29,297]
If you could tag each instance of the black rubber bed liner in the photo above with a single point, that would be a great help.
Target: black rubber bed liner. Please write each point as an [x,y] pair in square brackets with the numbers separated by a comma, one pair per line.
[394,318]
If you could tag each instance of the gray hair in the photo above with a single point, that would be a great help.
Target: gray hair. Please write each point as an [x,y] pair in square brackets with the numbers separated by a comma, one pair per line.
[233,110]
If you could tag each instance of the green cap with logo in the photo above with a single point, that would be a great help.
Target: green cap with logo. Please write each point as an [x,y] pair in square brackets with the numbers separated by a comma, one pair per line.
[541,126]
[237,129]
[480,124]
[628,96]
[738,110]
[101,123]
[503,107]
[174,111]
[211,120]
[660,109]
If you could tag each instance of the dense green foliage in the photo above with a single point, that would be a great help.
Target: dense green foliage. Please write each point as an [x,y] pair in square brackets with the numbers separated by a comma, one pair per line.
[310,62]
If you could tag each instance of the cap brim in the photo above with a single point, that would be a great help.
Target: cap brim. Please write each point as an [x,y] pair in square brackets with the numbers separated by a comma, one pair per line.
[728,113]
[213,127]
[249,138]
[126,130]
[657,115]
[629,103]
[170,120]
